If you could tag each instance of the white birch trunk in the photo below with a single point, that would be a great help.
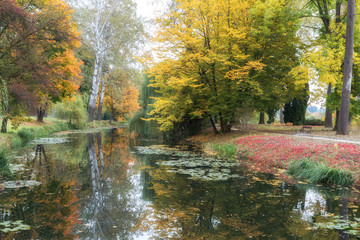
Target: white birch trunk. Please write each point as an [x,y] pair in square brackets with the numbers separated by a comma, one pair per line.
[95,87]
[101,99]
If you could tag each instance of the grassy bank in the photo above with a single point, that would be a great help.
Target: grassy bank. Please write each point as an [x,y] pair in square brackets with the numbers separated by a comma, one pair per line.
[316,161]
[319,163]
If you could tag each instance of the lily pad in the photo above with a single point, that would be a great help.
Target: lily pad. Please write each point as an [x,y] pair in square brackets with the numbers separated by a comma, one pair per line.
[17,167]
[51,140]
[19,184]
[16,226]
[338,223]
[162,150]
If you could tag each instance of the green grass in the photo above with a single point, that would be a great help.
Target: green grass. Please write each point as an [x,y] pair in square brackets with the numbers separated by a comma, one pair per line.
[4,165]
[27,134]
[319,173]
[226,150]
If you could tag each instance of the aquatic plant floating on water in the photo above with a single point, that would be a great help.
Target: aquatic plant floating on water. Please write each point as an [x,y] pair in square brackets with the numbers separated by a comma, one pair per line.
[51,140]
[9,226]
[19,184]
[206,169]
[348,226]
[17,167]
[190,163]
[162,150]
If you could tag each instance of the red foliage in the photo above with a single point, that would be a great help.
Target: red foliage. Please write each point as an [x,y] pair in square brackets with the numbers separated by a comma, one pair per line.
[265,153]
[37,39]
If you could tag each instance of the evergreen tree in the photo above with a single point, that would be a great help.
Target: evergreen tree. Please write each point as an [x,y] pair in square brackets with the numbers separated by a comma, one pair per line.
[295,110]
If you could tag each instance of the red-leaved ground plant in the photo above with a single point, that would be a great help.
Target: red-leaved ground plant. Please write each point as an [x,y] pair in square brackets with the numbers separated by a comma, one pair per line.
[266,153]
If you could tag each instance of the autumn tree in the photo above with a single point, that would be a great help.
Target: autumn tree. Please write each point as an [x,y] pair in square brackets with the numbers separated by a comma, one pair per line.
[204,71]
[36,59]
[121,96]
[111,29]
[348,65]
[326,54]
[275,43]
[222,56]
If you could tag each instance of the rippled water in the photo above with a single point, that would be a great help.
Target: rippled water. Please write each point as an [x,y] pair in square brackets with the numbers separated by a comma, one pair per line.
[102,186]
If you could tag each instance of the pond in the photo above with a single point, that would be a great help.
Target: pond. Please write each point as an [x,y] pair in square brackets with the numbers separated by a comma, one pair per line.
[111,185]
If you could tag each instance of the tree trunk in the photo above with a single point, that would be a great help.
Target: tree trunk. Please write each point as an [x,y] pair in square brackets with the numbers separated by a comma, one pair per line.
[328,113]
[93,163]
[336,120]
[95,86]
[213,125]
[4,125]
[101,100]
[224,125]
[344,214]
[101,154]
[4,104]
[348,64]
[262,118]
[41,113]
[281,116]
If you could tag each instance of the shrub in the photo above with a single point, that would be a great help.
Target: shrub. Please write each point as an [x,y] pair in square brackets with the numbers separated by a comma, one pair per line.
[73,110]
[26,134]
[314,122]
[15,141]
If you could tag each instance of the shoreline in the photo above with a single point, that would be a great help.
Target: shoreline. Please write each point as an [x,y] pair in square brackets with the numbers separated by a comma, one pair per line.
[313,158]
[15,138]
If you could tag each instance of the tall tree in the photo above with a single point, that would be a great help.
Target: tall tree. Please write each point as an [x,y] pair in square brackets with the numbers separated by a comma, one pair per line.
[36,58]
[208,74]
[112,30]
[276,44]
[328,43]
[348,65]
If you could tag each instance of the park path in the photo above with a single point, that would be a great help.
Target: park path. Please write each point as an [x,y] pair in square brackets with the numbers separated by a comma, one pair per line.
[311,137]
[314,137]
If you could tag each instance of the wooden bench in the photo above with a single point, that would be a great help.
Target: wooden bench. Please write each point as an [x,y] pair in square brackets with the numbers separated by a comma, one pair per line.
[306,129]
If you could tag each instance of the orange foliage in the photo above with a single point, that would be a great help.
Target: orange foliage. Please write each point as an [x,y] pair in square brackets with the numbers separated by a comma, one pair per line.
[122,101]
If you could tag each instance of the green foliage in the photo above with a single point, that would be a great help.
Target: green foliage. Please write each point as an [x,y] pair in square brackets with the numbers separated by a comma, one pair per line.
[227,151]
[74,111]
[139,122]
[271,114]
[4,165]
[319,173]
[294,111]
[314,122]
[225,61]
[15,141]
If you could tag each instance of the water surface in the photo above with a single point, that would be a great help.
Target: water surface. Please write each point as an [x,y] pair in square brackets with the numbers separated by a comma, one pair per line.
[102,186]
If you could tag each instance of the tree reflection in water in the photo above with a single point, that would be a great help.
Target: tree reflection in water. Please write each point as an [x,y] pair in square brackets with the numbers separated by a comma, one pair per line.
[51,209]
[96,188]
[113,209]
[243,208]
